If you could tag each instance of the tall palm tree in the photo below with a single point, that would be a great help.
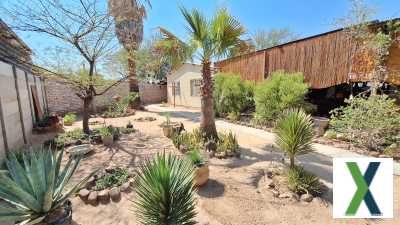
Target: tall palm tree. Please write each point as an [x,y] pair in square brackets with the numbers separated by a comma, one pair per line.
[128,16]
[209,39]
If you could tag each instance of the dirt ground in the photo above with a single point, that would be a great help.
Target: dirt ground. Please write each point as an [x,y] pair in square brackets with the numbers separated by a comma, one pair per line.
[235,194]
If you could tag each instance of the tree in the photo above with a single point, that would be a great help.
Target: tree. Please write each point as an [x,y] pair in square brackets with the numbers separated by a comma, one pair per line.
[83,26]
[128,16]
[269,38]
[294,133]
[209,39]
[370,41]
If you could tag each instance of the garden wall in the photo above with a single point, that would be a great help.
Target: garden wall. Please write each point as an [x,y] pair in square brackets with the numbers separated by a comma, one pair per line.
[152,93]
[62,99]
[20,91]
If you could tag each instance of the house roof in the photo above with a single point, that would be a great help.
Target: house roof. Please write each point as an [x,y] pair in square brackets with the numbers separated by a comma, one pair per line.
[181,66]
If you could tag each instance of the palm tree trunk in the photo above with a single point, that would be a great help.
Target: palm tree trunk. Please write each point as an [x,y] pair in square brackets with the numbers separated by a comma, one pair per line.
[133,82]
[207,123]
[291,162]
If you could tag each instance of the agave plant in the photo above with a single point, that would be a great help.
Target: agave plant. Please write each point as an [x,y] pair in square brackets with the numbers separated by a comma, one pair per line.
[294,133]
[165,192]
[33,186]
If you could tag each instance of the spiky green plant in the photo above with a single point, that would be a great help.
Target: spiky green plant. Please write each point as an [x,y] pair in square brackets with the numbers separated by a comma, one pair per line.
[195,157]
[33,188]
[165,192]
[301,181]
[294,133]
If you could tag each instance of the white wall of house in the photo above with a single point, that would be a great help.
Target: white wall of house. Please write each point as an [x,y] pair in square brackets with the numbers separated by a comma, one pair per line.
[186,77]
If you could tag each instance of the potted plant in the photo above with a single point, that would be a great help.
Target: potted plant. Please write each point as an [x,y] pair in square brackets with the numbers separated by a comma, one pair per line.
[201,170]
[69,119]
[33,189]
[167,125]
[107,136]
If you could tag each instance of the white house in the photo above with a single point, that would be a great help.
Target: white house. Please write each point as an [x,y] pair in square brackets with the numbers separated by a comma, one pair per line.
[184,86]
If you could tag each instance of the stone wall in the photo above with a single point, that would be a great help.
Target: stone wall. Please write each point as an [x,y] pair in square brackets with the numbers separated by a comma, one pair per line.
[62,99]
[17,114]
[152,93]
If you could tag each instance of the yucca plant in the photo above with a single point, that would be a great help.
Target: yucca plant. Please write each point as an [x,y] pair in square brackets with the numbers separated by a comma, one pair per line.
[294,133]
[165,192]
[34,187]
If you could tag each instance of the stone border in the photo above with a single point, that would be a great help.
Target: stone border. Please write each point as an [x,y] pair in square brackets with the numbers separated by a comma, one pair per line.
[104,196]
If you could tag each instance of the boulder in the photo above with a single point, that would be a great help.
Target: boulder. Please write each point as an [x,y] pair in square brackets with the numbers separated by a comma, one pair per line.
[84,194]
[103,195]
[92,199]
[115,194]
[306,198]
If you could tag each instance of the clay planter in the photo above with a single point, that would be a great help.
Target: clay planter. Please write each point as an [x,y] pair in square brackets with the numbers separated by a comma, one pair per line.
[107,140]
[320,124]
[68,123]
[168,130]
[202,173]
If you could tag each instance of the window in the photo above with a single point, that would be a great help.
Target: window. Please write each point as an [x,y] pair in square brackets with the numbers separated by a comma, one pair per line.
[177,86]
[195,86]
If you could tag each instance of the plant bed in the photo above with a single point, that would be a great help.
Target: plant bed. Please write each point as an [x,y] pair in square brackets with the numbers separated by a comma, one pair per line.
[292,184]
[107,185]
[129,112]
[145,119]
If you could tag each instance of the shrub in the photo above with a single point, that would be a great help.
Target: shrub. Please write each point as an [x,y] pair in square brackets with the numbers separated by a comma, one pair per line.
[120,108]
[69,118]
[192,140]
[165,192]
[373,122]
[227,144]
[106,131]
[71,136]
[232,94]
[35,188]
[114,179]
[282,91]
[294,133]
[300,181]
[195,157]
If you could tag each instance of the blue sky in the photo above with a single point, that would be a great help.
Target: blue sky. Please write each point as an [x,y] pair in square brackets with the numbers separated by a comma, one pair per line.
[305,17]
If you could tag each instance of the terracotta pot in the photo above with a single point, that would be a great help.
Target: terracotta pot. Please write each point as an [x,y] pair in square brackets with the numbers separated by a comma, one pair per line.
[168,130]
[202,173]
[68,123]
[107,140]
[320,124]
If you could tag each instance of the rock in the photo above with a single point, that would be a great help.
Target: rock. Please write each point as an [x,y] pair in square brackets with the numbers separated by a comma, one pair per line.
[115,194]
[103,195]
[374,154]
[84,193]
[285,195]
[306,198]
[319,200]
[125,187]
[275,193]
[92,199]
[384,156]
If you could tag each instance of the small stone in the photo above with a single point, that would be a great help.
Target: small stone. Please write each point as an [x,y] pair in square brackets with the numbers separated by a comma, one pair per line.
[306,198]
[270,183]
[125,187]
[103,195]
[285,195]
[84,193]
[115,194]
[275,193]
[92,199]
[374,154]
[319,200]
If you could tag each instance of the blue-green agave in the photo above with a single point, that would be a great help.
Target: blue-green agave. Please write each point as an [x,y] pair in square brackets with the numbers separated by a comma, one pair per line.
[32,186]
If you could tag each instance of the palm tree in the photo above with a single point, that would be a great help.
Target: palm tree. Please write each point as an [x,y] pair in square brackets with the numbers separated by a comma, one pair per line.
[128,16]
[294,133]
[209,39]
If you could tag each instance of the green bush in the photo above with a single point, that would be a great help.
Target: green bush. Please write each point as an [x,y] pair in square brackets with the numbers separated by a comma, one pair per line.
[192,140]
[300,181]
[373,122]
[114,179]
[69,118]
[71,136]
[164,191]
[227,144]
[280,92]
[195,157]
[232,94]
[120,108]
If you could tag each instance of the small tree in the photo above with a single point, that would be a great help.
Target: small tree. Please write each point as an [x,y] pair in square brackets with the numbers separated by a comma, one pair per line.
[269,38]
[294,133]
[84,26]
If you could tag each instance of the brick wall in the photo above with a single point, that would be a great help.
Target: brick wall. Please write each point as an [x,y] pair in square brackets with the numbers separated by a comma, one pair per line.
[62,99]
[153,93]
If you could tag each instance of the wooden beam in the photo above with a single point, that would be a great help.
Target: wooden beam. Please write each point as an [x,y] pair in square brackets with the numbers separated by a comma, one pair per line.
[29,97]
[21,115]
